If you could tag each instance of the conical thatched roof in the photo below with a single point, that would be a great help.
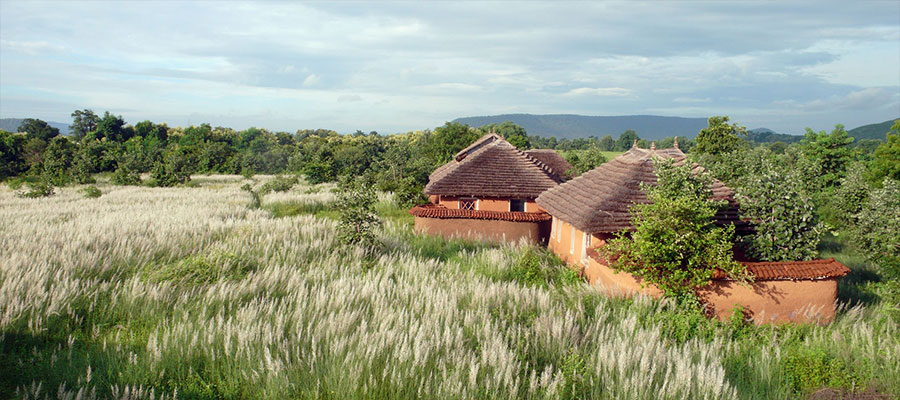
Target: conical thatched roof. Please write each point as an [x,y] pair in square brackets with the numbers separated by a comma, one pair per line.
[492,167]
[599,200]
[552,159]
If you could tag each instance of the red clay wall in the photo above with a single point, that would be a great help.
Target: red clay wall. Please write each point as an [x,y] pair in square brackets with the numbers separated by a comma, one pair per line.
[486,203]
[482,229]
[768,301]
[560,243]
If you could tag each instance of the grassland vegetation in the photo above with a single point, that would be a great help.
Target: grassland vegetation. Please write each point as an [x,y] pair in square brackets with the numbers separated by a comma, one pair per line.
[185,290]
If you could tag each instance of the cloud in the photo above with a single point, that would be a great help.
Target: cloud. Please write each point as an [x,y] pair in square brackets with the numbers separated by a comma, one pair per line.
[311,80]
[609,91]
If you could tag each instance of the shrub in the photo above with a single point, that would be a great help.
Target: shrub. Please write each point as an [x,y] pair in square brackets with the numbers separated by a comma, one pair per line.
[536,267]
[358,220]
[41,188]
[279,184]
[91,192]
[875,231]
[409,193]
[255,195]
[676,245]
[811,369]
[15,183]
[173,169]
[124,175]
[202,269]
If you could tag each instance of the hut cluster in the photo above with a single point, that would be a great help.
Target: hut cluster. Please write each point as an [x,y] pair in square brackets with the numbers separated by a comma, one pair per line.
[492,190]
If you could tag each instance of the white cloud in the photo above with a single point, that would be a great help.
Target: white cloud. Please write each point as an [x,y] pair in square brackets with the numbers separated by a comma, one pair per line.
[311,80]
[608,91]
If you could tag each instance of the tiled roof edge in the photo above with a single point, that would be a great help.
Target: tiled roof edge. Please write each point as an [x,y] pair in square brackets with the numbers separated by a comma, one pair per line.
[441,212]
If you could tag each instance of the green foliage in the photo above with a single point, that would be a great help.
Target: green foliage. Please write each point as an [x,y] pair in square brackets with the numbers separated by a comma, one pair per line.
[83,121]
[831,153]
[812,369]
[875,231]
[358,221]
[886,159]
[849,198]
[15,183]
[279,184]
[574,371]
[41,188]
[514,134]
[173,169]
[256,196]
[58,161]
[91,192]
[675,245]
[626,140]
[409,193]
[448,140]
[584,160]
[538,267]
[719,137]
[127,172]
[12,161]
[782,212]
[38,129]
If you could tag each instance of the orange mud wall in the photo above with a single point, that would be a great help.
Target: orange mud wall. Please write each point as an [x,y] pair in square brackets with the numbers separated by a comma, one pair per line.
[773,301]
[507,231]
[486,203]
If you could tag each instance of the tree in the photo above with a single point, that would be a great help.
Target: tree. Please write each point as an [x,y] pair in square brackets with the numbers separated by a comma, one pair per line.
[831,152]
[83,121]
[782,212]
[11,159]
[514,134]
[607,143]
[448,140]
[626,140]
[358,220]
[886,160]
[875,231]
[58,161]
[675,244]
[719,137]
[112,127]
[38,129]
[584,160]
[173,169]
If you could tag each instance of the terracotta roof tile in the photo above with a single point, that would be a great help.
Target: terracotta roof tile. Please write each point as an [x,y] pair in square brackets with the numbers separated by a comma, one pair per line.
[599,200]
[492,167]
[441,212]
[776,270]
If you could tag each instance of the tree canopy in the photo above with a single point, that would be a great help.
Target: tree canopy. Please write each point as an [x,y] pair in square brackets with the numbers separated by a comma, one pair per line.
[719,137]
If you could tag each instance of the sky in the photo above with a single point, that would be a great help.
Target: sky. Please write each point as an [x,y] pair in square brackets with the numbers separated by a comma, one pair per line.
[404,66]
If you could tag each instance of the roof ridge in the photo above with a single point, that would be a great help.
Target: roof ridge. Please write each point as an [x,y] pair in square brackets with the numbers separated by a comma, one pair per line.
[540,164]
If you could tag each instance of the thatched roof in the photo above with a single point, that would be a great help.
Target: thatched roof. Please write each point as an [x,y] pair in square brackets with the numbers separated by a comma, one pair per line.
[552,159]
[492,167]
[599,200]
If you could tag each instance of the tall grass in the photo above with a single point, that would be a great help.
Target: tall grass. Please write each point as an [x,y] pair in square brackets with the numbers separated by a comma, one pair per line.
[185,292]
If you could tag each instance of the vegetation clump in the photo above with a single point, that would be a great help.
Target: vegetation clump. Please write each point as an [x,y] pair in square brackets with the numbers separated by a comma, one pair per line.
[39,188]
[91,192]
[675,244]
[356,199]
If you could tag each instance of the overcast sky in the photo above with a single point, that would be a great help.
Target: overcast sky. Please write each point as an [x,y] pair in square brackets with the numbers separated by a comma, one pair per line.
[396,67]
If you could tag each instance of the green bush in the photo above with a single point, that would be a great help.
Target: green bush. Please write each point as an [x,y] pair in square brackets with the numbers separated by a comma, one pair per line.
[126,176]
[279,184]
[42,188]
[15,183]
[255,195]
[808,370]
[409,193]
[538,267]
[358,220]
[91,192]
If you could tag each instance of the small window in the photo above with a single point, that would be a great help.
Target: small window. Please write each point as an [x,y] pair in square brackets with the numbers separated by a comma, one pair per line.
[517,205]
[467,204]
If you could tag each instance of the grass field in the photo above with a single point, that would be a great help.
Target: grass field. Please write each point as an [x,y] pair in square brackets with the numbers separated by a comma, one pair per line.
[186,292]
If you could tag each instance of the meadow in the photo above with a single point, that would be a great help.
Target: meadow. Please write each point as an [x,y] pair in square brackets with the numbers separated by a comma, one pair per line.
[186,292]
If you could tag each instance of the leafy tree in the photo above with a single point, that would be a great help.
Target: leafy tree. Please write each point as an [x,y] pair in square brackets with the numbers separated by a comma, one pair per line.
[128,170]
[12,161]
[58,161]
[173,169]
[626,140]
[358,220]
[851,195]
[409,193]
[782,212]
[513,133]
[83,121]
[719,137]
[675,244]
[607,143]
[886,160]
[33,153]
[448,140]
[584,160]
[112,127]
[38,129]
[875,231]
[831,152]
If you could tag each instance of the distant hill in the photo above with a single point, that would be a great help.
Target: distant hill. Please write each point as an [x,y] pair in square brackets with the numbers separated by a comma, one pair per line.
[872,131]
[12,125]
[766,135]
[651,127]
